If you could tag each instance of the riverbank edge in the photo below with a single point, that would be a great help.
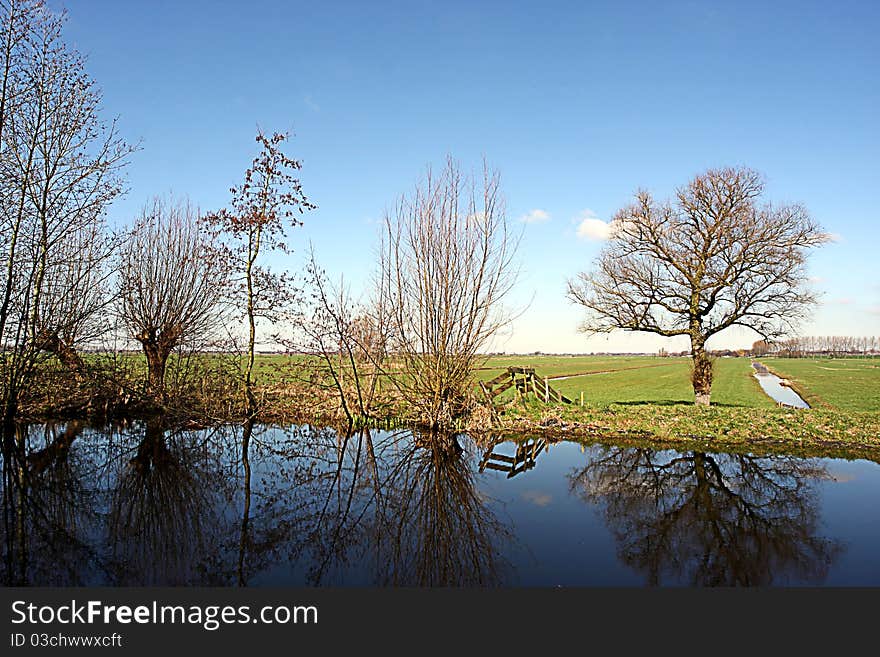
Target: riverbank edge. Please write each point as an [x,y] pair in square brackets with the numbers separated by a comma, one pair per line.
[806,432]
[815,431]
[814,400]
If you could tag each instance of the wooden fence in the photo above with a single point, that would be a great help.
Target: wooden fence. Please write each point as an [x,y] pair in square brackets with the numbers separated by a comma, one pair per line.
[524,459]
[526,382]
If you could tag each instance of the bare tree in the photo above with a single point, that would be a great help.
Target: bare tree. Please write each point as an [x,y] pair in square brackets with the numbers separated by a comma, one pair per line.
[446,266]
[760,348]
[348,337]
[76,294]
[59,170]
[269,199]
[169,285]
[714,258]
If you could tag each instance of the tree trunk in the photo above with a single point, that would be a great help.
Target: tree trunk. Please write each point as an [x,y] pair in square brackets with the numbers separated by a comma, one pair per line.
[701,376]
[244,540]
[152,452]
[51,342]
[156,359]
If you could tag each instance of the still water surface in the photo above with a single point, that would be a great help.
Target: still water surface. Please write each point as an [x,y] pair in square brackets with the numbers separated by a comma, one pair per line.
[777,389]
[138,505]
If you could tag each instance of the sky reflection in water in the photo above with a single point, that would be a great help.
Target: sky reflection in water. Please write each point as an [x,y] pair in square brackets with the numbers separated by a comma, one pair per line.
[144,505]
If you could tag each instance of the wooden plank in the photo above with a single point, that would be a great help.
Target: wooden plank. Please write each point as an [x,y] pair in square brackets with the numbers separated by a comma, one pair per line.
[497,391]
[523,468]
[486,393]
[495,466]
[501,457]
[488,397]
[498,379]
[534,449]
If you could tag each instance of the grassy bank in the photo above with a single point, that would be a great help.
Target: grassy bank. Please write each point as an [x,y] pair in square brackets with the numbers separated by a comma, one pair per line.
[687,426]
[630,396]
[846,384]
[651,399]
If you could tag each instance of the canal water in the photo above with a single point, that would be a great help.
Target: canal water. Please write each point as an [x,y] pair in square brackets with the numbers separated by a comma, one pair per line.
[144,505]
[776,388]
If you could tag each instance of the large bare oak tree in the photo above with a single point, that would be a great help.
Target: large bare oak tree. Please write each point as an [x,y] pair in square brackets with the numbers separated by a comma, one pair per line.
[714,257]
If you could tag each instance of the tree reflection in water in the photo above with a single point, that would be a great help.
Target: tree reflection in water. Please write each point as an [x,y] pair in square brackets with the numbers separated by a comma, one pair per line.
[162,514]
[437,530]
[400,510]
[48,507]
[120,507]
[266,505]
[710,519]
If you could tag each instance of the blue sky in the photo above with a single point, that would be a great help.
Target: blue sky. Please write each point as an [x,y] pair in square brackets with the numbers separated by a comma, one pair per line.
[576,104]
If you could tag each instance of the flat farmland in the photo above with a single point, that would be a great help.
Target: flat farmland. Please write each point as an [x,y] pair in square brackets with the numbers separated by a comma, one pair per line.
[847,384]
[638,379]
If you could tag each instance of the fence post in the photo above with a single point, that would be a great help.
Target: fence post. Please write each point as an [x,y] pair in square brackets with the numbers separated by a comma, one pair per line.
[546,391]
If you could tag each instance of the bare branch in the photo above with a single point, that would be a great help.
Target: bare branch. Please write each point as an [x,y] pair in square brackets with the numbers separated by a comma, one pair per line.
[715,258]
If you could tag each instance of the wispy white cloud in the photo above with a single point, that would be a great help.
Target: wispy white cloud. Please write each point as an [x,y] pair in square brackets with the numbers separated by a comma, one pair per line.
[311,104]
[835,237]
[591,227]
[535,216]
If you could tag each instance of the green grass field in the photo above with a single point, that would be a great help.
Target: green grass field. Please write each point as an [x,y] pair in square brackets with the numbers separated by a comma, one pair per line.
[847,384]
[639,379]
[670,383]
[553,366]
[844,384]
[653,397]
[643,396]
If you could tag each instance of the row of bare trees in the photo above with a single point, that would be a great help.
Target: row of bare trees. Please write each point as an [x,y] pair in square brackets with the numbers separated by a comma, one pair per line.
[65,276]
[187,278]
[819,345]
[181,279]
[178,278]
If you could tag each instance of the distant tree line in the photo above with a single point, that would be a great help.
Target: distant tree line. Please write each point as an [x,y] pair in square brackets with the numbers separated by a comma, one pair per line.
[819,345]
